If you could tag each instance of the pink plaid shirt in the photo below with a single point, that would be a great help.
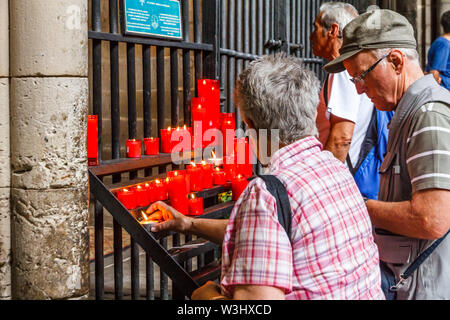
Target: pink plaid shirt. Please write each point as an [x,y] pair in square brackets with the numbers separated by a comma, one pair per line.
[332,255]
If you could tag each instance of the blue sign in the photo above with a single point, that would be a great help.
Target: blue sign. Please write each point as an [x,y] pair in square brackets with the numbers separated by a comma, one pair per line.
[160,18]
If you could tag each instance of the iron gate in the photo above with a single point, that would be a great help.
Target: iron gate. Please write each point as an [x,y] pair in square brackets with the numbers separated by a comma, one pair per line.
[220,37]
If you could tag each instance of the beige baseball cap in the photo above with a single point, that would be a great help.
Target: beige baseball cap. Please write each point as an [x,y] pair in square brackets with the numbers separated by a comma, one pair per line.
[377,29]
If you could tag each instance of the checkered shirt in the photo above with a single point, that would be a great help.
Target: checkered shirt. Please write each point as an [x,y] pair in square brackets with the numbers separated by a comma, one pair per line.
[331,253]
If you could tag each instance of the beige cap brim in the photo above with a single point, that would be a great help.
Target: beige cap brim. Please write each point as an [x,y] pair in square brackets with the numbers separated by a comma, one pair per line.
[337,65]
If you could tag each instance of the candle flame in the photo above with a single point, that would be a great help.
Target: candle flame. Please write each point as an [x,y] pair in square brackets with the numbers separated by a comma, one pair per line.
[203,162]
[147,185]
[217,169]
[213,88]
[178,129]
[184,127]
[157,181]
[176,173]
[204,82]
[144,215]
[167,179]
[193,164]
[169,128]
[192,196]
[139,187]
[199,106]
[213,155]
[125,190]
[239,176]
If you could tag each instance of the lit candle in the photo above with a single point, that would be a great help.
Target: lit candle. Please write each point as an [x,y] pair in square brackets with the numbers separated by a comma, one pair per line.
[207,175]
[196,175]
[217,162]
[228,129]
[159,190]
[133,148]
[195,205]
[150,192]
[151,146]
[238,185]
[142,199]
[243,157]
[92,140]
[146,222]
[174,173]
[199,120]
[220,177]
[166,140]
[229,167]
[127,198]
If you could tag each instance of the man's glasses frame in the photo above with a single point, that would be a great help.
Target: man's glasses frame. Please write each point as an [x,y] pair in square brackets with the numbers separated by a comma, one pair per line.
[361,77]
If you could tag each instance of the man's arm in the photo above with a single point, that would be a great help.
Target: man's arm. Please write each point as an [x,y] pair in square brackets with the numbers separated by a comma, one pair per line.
[340,137]
[211,291]
[427,216]
[437,76]
[209,229]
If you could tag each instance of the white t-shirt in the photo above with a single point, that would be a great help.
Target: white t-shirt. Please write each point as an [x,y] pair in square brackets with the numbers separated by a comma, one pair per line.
[346,103]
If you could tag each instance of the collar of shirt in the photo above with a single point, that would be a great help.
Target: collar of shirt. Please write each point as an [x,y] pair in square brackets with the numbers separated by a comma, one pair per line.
[294,152]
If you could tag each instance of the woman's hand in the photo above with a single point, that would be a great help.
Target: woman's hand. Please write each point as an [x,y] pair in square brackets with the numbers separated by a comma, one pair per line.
[172,219]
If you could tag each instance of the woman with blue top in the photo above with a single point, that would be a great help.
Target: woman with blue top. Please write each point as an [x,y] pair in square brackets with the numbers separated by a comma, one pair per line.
[439,55]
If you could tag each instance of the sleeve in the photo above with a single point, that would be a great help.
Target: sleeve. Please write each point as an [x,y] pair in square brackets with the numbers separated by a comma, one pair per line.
[261,251]
[344,99]
[428,148]
[439,57]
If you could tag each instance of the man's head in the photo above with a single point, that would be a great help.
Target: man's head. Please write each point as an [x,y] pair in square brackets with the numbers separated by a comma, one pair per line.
[379,52]
[445,21]
[278,92]
[328,27]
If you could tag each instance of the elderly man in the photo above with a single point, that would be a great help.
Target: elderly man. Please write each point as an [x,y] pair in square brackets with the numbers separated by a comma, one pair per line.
[379,51]
[349,125]
[330,253]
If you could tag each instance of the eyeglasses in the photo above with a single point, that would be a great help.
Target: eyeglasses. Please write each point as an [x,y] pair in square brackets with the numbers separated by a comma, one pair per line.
[360,78]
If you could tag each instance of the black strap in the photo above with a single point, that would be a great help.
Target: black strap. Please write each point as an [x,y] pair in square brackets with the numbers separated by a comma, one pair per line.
[279,192]
[325,89]
[423,256]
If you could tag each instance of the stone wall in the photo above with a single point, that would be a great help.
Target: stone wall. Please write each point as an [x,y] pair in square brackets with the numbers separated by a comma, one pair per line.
[49,105]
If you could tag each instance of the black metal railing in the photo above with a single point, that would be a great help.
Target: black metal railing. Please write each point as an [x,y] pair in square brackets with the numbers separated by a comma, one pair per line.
[220,37]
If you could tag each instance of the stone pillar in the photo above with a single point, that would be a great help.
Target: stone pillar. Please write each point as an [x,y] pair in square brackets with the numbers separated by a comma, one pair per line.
[5,172]
[49,106]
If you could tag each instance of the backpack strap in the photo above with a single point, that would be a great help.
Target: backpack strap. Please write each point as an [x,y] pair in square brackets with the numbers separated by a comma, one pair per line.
[279,192]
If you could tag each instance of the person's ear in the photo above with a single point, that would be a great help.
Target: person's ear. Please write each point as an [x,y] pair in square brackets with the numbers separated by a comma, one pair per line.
[334,30]
[397,60]
[249,123]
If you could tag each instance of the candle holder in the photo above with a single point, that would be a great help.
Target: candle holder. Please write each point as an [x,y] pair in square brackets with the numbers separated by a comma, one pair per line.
[92,140]
[196,177]
[220,177]
[238,185]
[128,198]
[195,205]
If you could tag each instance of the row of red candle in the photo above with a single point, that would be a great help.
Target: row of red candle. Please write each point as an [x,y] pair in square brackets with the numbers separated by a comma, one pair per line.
[134,147]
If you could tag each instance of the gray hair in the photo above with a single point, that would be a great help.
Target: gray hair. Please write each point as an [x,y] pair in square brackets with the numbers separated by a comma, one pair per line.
[411,54]
[278,92]
[337,12]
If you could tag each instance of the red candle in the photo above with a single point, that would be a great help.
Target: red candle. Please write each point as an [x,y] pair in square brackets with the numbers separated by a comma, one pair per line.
[150,192]
[220,177]
[243,157]
[199,120]
[174,173]
[195,206]
[229,167]
[92,140]
[228,129]
[142,199]
[159,190]
[133,148]
[151,146]
[188,183]
[127,198]
[177,192]
[196,176]
[238,185]
[207,175]
[166,140]
[180,140]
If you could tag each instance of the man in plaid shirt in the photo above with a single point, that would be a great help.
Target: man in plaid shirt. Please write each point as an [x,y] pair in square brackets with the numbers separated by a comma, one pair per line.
[331,253]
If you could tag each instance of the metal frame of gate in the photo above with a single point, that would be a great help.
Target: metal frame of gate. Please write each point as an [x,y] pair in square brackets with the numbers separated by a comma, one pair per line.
[230,35]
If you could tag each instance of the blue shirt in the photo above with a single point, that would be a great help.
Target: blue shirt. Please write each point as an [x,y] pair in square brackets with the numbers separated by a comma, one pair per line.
[439,60]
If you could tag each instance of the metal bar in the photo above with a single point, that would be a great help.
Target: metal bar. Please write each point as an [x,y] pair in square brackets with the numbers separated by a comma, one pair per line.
[223,59]
[115,89]
[142,236]
[238,55]
[253,37]
[160,89]
[175,106]
[267,23]
[99,259]
[211,31]
[147,90]
[131,85]
[164,281]
[239,48]
[97,72]
[260,28]
[134,270]
[118,261]
[186,66]
[246,29]
[197,39]
[97,35]
[150,274]
[96,15]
